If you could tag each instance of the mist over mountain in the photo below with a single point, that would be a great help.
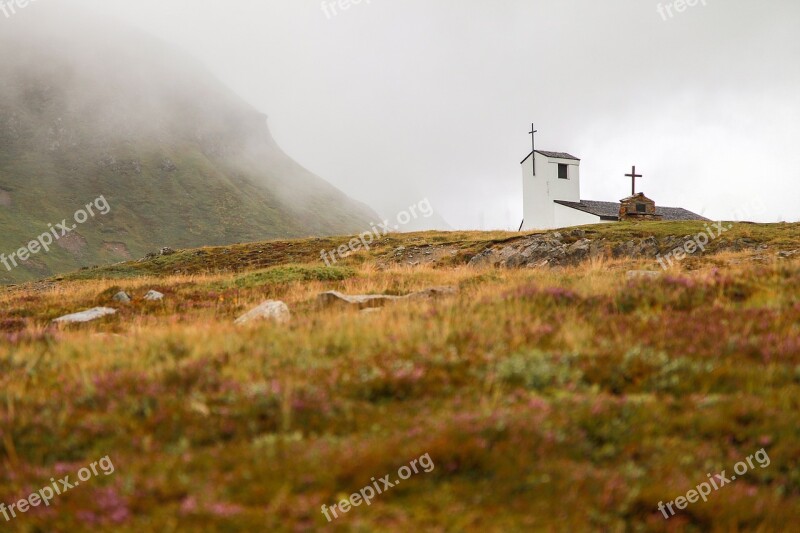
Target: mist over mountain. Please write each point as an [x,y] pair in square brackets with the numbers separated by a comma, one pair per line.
[89,108]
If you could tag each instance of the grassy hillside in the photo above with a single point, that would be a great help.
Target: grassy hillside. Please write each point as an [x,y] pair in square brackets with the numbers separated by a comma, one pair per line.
[180,159]
[548,399]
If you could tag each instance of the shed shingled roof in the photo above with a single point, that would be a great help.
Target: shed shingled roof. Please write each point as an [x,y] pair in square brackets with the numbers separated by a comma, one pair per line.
[610,210]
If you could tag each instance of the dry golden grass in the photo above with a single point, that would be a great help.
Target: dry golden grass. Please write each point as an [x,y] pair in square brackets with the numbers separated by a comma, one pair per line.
[548,399]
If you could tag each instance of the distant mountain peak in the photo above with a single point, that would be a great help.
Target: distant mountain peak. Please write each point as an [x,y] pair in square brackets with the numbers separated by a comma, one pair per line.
[89,109]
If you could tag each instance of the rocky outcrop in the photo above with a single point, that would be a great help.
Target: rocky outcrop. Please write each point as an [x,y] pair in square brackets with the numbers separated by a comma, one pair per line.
[548,249]
[567,248]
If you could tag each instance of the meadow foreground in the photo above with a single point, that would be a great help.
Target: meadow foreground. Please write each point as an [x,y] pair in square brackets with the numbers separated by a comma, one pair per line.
[535,399]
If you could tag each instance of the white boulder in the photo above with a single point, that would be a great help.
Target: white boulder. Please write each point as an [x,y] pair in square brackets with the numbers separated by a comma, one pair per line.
[153,296]
[85,316]
[273,310]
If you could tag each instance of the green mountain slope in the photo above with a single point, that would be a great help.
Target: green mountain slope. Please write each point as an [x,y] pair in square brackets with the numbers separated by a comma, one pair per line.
[89,109]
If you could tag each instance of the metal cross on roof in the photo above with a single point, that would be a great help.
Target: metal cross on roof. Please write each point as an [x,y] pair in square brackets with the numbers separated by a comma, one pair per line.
[633,175]
[533,133]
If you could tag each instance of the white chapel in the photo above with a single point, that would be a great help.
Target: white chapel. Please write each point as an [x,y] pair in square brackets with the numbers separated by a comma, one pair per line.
[551,189]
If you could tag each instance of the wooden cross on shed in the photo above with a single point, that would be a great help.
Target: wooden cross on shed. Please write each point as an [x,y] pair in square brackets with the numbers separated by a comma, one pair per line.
[633,175]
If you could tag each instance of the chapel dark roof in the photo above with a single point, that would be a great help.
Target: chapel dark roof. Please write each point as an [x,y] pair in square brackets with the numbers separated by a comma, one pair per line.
[554,155]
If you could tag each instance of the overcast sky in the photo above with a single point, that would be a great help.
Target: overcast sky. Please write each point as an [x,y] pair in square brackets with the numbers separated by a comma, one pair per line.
[397,101]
